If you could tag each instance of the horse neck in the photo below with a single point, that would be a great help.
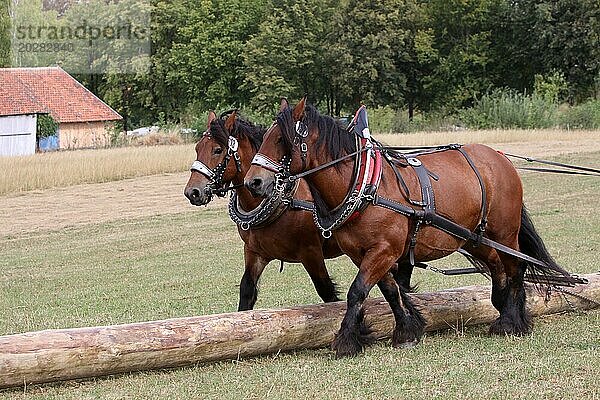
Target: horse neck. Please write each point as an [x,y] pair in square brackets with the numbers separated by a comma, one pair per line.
[332,184]
[246,201]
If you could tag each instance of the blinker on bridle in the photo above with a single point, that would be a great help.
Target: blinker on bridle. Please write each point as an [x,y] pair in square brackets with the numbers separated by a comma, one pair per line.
[215,175]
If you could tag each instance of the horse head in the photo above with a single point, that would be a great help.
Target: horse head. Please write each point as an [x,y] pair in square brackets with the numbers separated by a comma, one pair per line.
[298,140]
[219,154]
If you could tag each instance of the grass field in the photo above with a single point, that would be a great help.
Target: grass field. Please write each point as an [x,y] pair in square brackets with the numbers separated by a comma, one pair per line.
[190,262]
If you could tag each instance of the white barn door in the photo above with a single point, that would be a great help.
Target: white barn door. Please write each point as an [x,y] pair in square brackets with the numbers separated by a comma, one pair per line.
[17,135]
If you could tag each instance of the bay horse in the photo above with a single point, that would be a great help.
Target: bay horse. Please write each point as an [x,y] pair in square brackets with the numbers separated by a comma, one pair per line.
[471,180]
[276,241]
[291,237]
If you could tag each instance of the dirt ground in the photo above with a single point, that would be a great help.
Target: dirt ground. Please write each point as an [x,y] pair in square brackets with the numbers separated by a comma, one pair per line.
[55,209]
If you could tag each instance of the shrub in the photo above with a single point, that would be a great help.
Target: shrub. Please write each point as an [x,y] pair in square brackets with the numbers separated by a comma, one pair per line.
[583,116]
[382,119]
[46,126]
[507,109]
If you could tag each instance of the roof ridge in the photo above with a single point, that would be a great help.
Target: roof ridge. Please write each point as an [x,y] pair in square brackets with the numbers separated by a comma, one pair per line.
[89,91]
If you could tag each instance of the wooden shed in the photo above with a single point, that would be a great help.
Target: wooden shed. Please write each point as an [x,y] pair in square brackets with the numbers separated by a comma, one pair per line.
[84,120]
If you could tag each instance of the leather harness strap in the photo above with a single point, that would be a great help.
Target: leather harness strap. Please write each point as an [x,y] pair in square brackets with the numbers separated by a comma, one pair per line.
[483,213]
[450,227]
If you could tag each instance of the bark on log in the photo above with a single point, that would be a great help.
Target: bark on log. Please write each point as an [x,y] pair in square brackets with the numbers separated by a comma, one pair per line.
[54,355]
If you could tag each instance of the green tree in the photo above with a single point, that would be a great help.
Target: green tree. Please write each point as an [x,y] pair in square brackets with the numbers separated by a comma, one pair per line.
[541,37]
[5,42]
[206,57]
[463,37]
[288,55]
[370,48]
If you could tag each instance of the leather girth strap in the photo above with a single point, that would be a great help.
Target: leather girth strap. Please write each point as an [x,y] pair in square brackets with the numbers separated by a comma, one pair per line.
[450,227]
[427,202]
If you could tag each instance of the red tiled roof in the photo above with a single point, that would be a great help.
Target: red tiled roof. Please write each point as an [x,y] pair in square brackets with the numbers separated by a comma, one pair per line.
[53,91]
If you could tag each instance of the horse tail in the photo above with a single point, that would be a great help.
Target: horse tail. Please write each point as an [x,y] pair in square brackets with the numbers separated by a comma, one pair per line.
[531,244]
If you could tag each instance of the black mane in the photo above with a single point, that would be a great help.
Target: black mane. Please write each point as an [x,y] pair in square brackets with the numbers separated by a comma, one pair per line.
[333,137]
[242,129]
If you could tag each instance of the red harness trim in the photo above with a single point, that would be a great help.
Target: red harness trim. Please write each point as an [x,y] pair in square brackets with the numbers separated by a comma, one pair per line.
[374,173]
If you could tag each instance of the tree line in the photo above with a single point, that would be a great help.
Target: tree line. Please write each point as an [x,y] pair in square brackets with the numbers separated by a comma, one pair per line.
[413,55]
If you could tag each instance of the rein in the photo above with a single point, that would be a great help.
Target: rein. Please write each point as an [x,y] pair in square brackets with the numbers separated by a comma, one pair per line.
[293,178]
[577,170]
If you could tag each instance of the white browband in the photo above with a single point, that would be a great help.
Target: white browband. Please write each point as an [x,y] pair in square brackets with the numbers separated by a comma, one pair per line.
[198,166]
[266,162]
[233,144]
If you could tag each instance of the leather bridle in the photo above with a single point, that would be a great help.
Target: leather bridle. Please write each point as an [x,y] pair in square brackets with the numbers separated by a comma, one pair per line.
[215,176]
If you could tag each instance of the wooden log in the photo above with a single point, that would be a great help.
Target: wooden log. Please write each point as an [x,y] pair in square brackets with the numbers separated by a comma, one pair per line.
[64,354]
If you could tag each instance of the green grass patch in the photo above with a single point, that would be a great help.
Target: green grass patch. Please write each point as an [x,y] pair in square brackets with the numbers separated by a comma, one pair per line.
[191,263]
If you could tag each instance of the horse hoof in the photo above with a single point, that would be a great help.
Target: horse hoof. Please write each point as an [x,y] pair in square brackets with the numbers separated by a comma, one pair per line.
[502,327]
[406,345]
[345,346]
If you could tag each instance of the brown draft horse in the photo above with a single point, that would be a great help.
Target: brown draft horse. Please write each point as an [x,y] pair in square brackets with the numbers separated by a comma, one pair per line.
[276,241]
[292,237]
[380,236]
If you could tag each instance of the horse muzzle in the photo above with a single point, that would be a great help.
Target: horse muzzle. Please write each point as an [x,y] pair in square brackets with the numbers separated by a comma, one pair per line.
[259,186]
[198,196]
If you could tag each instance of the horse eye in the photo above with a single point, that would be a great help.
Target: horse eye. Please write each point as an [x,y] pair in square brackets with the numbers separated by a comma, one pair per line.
[218,150]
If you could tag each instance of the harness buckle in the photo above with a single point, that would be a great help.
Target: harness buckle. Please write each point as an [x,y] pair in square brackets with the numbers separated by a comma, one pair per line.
[303,148]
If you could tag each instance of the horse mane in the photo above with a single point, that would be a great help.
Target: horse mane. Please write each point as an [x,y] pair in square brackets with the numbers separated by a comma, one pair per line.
[333,138]
[242,129]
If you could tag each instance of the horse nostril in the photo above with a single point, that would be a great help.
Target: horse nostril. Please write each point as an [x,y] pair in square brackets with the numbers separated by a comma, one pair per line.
[256,183]
[192,194]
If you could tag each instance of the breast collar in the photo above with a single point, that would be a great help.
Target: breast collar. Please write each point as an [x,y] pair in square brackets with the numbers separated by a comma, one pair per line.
[367,177]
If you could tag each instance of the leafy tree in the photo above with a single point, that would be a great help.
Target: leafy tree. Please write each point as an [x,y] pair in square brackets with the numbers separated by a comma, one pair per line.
[369,51]
[206,57]
[418,56]
[5,42]
[45,126]
[288,55]
[541,37]
[463,39]
[568,35]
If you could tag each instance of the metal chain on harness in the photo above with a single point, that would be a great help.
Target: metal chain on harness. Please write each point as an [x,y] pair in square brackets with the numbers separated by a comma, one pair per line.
[565,292]
[282,195]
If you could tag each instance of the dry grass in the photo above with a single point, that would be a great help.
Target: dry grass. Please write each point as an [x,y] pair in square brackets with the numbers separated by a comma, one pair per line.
[43,171]
[65,168]
[487,136]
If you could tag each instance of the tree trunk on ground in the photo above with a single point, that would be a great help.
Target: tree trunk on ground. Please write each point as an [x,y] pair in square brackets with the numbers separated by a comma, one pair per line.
[54,355]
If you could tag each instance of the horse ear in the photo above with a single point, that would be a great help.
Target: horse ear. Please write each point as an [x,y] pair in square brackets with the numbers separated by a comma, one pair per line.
[298,112]
[284,104]
[230,122]
[211,117]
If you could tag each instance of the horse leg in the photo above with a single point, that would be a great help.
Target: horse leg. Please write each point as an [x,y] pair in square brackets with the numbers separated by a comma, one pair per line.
[315,266]
[402,272]
[514,318]
[352,336]
[254,267]
[508,292]
[409,321]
